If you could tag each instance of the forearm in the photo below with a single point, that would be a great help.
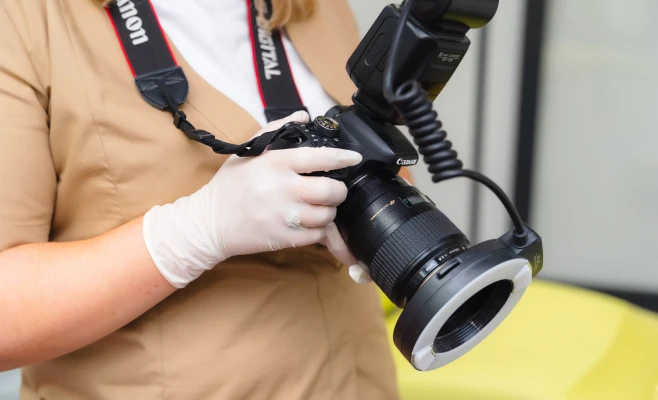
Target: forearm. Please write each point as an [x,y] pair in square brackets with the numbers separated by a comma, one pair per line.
[58,297]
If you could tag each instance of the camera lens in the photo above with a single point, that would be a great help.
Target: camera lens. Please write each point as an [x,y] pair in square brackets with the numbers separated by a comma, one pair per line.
[452,295]
[398,233]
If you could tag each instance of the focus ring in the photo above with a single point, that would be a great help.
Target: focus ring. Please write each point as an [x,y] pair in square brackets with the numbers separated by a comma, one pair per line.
[372,187]
[415,237]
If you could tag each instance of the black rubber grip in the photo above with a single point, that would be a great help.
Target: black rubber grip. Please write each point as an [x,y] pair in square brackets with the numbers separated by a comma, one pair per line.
[403,246]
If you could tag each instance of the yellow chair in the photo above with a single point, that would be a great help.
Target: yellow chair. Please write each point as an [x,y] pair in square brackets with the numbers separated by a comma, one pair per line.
[559,343]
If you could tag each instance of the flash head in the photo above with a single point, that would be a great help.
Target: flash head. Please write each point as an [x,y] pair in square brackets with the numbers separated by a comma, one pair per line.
[472,13]
[433,45]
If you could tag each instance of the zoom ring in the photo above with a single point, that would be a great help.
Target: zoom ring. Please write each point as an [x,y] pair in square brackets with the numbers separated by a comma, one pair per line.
[403,246]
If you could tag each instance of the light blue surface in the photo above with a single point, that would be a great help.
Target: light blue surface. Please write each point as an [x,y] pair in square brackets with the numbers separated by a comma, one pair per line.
[9,382]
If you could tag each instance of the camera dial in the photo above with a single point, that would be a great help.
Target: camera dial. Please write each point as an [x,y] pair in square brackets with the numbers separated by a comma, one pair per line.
[327,127]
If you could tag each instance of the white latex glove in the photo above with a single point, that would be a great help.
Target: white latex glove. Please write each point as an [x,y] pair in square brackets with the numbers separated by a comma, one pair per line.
[338,248]
[359,274]
[251,205]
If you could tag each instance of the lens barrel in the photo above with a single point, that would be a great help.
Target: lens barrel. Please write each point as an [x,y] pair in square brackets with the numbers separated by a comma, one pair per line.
[397,232]
[452,295]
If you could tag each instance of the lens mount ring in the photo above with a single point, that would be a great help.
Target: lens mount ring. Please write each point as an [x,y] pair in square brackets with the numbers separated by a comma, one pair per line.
[420,348]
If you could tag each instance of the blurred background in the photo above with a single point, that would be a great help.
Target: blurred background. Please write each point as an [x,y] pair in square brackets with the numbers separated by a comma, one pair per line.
[557,101]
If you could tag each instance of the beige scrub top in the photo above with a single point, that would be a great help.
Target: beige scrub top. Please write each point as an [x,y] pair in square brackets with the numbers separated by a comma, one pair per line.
[81,153]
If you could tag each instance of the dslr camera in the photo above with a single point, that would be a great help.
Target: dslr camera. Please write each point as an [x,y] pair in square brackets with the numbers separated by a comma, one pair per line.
[453,294]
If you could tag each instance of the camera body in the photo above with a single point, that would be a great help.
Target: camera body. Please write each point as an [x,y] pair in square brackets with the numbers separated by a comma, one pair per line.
[381,144]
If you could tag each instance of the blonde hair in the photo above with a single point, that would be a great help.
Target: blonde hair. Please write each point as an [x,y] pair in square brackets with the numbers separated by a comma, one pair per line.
[283,11]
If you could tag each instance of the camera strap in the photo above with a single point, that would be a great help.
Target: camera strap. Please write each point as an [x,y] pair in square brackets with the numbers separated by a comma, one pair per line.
[163,84]
[278,90]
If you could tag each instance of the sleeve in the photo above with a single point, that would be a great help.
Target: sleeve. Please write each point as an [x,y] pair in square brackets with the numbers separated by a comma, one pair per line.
[27,176]
[405,173]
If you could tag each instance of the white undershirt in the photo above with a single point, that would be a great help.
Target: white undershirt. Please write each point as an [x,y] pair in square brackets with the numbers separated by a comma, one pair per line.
[213,37]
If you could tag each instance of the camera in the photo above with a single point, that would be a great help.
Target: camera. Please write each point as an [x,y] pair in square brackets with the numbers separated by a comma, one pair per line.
[453,294]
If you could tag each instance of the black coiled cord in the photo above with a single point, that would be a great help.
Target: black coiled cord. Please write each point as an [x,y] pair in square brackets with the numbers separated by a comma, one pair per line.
[412,103]
[410,100]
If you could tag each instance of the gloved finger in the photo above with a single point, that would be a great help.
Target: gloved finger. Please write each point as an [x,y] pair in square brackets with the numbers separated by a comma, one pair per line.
[316,216]
[337,247]
[306,236]
[316,190]
[299,116]
[359,274]
[305,160]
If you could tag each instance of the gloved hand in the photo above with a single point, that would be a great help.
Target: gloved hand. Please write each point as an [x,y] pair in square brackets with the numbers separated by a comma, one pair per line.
[251,205]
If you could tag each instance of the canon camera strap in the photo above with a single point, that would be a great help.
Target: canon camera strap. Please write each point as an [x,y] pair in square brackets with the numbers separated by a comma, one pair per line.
[276,83]
[163,84]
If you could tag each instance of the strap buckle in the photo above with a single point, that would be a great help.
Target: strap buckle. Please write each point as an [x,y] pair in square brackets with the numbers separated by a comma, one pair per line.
[198,135]
[179,118]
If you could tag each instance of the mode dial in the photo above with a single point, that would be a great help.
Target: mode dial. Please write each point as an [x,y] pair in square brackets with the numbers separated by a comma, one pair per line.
[327,127]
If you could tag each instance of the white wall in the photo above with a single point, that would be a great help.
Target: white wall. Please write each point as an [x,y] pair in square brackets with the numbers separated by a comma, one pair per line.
[596,192]
[504,62]
[9,382]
